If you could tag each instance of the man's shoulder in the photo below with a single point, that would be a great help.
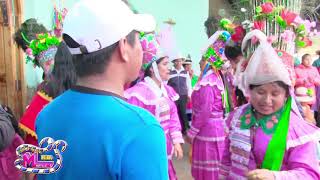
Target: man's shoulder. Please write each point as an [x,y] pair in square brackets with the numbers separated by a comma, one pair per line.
[114,108]
[140,114]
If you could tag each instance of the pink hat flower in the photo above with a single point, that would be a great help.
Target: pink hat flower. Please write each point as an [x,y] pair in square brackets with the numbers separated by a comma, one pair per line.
[267,7]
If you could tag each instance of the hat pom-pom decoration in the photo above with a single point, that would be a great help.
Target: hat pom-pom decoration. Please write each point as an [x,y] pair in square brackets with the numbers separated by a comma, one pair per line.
[227,25]
[215,52]
[38,46]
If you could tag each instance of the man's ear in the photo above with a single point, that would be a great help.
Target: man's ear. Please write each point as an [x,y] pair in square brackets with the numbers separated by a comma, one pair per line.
[123,49]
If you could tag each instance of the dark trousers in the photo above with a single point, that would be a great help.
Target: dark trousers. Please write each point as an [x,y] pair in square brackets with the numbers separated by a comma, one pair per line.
[317,118]
[181,106]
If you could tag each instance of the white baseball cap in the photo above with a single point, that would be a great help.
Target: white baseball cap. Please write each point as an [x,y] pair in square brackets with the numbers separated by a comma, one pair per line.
[96,24]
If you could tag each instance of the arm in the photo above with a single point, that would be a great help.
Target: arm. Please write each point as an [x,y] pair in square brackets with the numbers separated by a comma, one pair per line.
[174,125]
[149,148]
[201,109]
[28,119]
[226,160]
[302,163]
[189,86]
[7,131]
[300,80]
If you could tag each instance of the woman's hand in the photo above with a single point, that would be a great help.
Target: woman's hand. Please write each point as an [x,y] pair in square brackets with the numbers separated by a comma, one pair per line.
[178,152]
[260,174]
[306,81]
[188,140]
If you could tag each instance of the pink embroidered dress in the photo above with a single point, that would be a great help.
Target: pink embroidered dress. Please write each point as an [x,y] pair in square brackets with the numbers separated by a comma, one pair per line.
[282,142]
[307,77]
[207,126]
[160,103]
[246,146]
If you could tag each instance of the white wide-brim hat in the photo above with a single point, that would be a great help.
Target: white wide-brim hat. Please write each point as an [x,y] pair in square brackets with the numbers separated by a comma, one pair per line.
[96,24]
[302,95]
[176,56]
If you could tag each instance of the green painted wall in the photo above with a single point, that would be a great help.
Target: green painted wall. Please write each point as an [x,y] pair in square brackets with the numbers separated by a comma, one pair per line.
[189,30]
[189,15]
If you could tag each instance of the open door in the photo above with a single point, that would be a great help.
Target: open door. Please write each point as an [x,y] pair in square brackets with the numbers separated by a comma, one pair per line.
[12,83]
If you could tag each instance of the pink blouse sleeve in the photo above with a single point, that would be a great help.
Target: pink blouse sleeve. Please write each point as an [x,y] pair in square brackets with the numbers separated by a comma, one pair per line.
[135,101]
[174,125]
[299,77]
[302,163]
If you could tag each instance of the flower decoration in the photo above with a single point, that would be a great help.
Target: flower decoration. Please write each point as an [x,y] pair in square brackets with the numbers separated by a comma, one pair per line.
[309,25]
[59,16]
[259,25]
[239,33]
[267,8]
[284,27]
[314,33]
[292,27]
[288,16]
[298,20]
[288,60]
[288,36]
[42,43]
[30,57]
[307,41]
[227,25]
[281,22]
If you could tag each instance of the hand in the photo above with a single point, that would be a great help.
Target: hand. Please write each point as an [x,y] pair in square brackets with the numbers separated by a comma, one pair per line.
[311,80]
[260,174]
[178,152]
[190,154]
[309,116]
[188,140]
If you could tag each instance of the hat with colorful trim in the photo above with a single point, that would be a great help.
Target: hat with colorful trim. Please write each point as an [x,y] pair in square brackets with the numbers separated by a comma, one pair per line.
[214,53]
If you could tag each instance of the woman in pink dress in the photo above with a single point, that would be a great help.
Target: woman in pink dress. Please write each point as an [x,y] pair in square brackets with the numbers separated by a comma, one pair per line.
[268,138]
[154,95]
[207,132]
[307,76]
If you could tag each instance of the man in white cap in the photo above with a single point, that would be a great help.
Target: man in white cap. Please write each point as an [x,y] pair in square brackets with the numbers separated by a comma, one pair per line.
[107,138]
[181,83]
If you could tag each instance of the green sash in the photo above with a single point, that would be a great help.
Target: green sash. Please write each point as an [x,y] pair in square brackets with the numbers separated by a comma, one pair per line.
[277,145]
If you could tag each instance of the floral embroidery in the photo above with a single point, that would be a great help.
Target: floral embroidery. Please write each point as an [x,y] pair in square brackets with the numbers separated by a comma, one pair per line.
[267,123]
